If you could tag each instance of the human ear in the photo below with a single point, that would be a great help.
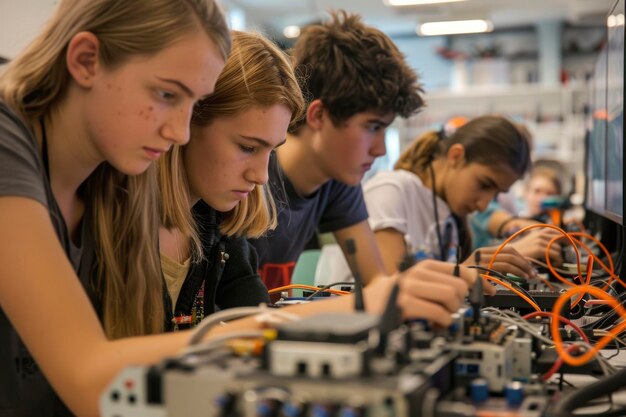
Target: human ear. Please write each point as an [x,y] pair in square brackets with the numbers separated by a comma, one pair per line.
[315,114]
[456,155]
[82,58]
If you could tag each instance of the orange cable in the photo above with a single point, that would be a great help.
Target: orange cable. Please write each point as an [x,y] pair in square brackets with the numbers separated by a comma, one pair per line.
[306,287]
[558,341]
[510,287]
[534,226]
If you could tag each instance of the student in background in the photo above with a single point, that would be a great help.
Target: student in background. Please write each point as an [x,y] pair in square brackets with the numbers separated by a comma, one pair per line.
[356,82]
[102,92]
[542,182]
[222,173]
[421,207]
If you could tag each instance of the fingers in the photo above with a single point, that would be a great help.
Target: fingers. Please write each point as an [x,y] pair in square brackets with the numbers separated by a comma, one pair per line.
[433,312]
[430,269]
[440,271]
[440,293]
[508,260]
[534,244]
[429,290]
[488,288]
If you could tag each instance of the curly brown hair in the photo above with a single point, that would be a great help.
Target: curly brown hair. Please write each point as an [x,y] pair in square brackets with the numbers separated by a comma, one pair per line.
[354,68]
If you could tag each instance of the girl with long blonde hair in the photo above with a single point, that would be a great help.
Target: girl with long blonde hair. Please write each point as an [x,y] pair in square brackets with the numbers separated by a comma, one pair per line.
[222,173]
[105,89]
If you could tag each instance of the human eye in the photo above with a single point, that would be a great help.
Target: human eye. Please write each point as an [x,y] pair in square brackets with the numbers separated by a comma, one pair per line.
[484,185]
[247,149]
[374,127]
[165,95]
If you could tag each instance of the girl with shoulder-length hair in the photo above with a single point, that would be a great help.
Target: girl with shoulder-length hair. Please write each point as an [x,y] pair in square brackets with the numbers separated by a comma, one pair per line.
[222,173]
[106,88]
[439,179]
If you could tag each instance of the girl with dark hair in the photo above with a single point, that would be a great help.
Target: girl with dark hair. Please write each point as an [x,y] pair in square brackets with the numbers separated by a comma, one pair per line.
[421,207]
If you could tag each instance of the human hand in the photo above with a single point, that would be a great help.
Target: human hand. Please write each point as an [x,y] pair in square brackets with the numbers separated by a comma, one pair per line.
[533,245]
[428,290]
[514,224]
[508,261]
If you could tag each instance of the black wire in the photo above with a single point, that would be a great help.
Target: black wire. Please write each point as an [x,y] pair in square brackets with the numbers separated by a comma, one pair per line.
[504,277]
[584,395]
[617,347]
[613,413]
[442,250]
[326,287]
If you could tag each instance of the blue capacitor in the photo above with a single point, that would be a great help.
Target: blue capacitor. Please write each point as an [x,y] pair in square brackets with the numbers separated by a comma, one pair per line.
[292,410]
[514,393]
[479,390]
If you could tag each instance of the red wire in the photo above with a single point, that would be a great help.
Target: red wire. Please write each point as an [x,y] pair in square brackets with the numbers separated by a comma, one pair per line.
[557,365]
[561,319]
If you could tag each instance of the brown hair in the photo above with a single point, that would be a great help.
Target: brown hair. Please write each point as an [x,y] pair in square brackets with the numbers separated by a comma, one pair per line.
[257,73]
[354,68]
[124,212]
[487,140]
[542,171]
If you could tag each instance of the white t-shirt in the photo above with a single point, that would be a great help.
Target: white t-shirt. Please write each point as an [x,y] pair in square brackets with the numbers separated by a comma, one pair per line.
[400,201]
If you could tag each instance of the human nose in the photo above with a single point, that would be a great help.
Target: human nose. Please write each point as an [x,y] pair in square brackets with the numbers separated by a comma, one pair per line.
[379,148]
[176,129]
[257,173]
[483,202]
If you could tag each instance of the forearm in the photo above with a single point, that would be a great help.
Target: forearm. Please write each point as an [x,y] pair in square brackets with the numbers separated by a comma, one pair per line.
[84,383]
[497,220]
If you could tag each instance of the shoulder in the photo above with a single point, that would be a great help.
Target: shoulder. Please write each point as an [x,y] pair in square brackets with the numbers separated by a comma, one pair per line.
[21,168]
[400,180]
[13,130]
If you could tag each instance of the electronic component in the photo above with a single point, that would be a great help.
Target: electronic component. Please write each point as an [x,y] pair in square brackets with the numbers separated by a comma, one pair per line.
[508,299]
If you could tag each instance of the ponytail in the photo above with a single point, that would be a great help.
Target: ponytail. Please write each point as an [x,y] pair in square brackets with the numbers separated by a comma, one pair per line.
[417,157]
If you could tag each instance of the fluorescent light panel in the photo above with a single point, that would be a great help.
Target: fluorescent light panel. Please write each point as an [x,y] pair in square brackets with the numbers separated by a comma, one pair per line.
[417,2]
[455,27]
[291,31]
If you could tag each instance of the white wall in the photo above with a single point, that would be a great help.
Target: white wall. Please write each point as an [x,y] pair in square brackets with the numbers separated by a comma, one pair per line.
[20,21]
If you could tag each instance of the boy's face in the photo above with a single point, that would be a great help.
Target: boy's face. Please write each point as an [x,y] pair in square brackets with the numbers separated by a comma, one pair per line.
[346,151]
[538,189]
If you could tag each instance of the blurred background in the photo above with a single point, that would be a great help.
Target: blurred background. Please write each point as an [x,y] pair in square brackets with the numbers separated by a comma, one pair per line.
[533,62]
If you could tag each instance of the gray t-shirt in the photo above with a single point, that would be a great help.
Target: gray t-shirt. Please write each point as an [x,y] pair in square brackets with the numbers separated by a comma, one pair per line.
[24,391]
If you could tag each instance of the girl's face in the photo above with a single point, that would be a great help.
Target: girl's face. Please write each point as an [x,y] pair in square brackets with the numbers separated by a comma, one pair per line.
[227,159]
[470,187]
[537,190]
[136,111]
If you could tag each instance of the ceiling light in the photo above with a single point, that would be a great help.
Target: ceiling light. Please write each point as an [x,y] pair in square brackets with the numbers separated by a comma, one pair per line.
[455,27]
[615,20]
[291,31]
[417,2]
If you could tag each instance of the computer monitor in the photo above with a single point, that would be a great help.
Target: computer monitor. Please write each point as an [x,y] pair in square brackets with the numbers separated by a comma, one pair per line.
[596,139]
[614,208]
[605,139]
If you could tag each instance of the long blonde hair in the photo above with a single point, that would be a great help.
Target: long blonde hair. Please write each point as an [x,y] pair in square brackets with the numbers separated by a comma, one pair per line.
[256,74]
[125,214]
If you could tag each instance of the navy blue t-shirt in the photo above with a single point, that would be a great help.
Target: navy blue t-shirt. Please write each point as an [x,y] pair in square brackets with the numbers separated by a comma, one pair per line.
[332,207]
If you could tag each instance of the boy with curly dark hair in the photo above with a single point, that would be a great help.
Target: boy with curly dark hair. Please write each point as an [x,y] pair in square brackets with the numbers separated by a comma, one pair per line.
[355,81]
